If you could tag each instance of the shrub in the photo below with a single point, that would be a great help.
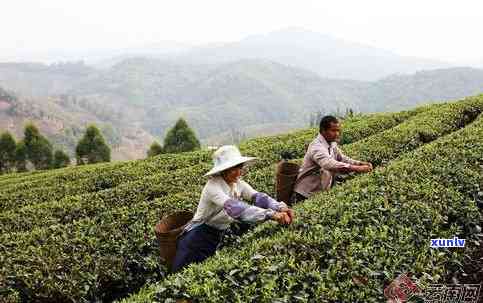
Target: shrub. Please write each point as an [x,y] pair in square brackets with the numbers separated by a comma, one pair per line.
[155,149]
[38,148]
[180,138]
[7,152]
[92,148]
[348,243]
[61,159]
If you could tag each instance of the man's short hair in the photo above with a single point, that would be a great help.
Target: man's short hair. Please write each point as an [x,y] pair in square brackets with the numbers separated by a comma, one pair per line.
[326,121]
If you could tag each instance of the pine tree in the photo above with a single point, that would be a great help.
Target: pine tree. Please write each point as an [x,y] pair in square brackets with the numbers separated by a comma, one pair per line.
[180,138]
[349,113]
[61,159]
[21,157]
[155,149]
[92,148]
[39,149]
[7,152]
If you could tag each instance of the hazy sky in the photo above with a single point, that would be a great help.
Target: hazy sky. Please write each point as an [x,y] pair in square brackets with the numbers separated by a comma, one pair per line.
[445,30]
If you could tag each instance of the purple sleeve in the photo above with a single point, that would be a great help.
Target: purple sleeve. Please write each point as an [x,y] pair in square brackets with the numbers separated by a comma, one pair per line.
[234,208]
[265,201]
[241,210]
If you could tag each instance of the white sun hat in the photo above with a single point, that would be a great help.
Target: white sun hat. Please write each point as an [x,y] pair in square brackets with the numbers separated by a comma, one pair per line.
[225,157]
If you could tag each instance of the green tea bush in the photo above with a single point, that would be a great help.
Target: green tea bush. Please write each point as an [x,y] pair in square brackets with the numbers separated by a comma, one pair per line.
[105,232]
[347,244]
[265,148]
[10,177]
[72,207]
[87,254]
[356,128]
[433,122]
[421,129]
[65,184]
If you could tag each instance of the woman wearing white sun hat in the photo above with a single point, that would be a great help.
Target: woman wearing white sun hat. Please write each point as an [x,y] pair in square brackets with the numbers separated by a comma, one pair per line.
[220,204]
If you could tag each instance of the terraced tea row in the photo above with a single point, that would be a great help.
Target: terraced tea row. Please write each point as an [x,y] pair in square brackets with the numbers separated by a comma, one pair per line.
[113,251]
[409,135]
[354,129]
[76,207]
[94,180]
[107,180]
[67,180]
[348,243]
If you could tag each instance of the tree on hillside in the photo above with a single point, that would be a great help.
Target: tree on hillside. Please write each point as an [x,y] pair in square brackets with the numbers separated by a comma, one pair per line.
[180,138]
[21,157]
[7,152]
[61,159]
[38,148]
[155,149]
[92,148]
[236,135]
[349,113]
[316,116]
[5,96]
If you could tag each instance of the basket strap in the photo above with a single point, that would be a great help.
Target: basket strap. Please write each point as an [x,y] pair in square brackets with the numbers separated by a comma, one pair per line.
[202,222]
[307,173]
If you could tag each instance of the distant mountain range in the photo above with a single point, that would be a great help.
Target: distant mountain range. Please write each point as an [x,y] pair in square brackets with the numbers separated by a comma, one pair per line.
[325,55]
[221,95]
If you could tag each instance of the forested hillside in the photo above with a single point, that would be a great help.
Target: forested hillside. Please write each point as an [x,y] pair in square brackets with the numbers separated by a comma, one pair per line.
[139,99]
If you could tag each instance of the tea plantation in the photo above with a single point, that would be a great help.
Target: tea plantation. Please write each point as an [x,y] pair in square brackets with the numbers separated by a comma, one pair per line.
[85,234]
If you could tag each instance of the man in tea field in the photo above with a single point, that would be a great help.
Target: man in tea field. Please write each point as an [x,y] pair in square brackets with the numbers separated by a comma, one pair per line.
[323,160]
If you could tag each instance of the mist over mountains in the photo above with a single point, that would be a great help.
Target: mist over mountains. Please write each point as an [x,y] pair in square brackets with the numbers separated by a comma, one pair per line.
[259,85]
[323,54]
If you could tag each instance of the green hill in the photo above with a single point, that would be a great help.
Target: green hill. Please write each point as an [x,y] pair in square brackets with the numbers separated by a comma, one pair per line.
[63,120]
[86,233]
[140,98]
